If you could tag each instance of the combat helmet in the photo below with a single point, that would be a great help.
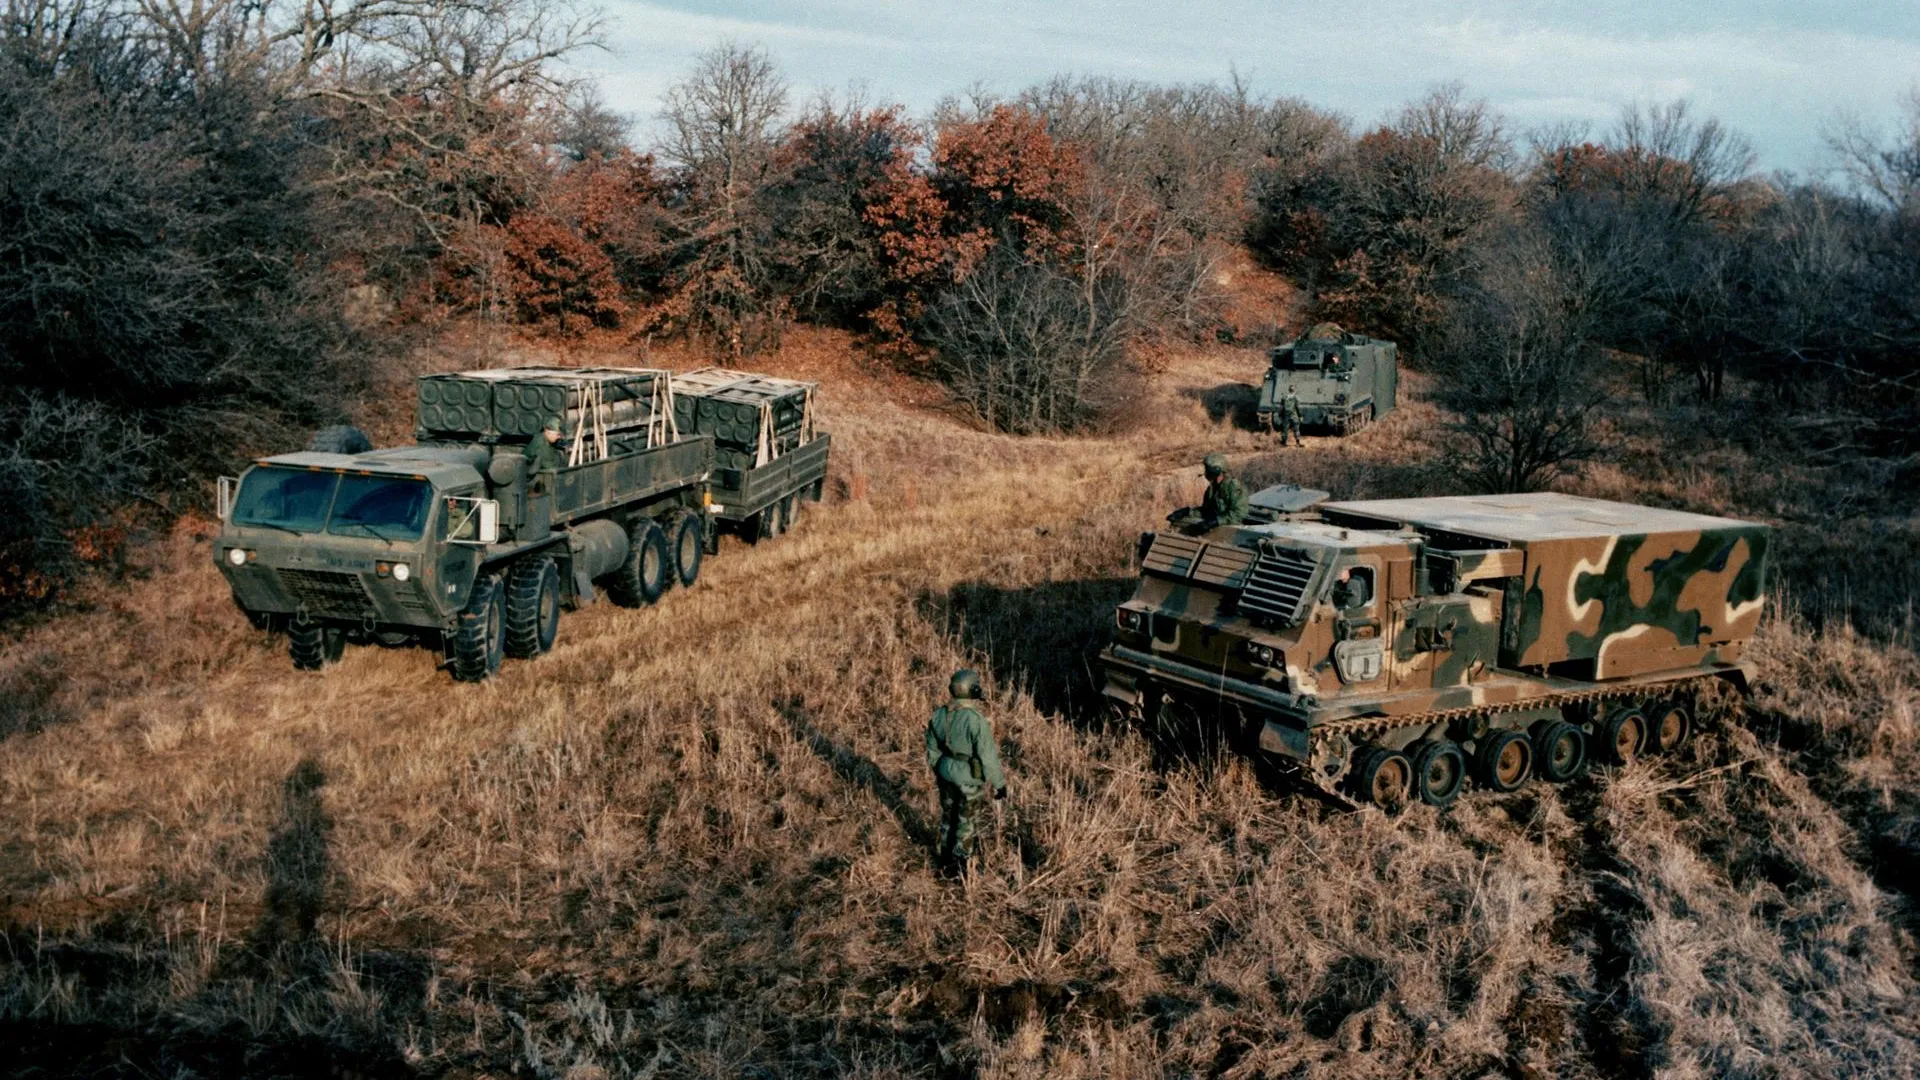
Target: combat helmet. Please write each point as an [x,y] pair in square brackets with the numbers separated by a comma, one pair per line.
[966,684]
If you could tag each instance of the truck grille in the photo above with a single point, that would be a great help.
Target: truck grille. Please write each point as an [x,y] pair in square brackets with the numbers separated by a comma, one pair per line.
[1277,586]
[326,590]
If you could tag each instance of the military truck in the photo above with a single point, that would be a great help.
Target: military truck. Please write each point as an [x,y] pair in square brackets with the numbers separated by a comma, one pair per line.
[1343,381]
[769,457]
[454,542]
[1391,650]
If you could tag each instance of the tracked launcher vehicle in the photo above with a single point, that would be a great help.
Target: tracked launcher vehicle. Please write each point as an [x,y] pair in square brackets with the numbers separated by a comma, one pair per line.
[1388,650]
[454,543]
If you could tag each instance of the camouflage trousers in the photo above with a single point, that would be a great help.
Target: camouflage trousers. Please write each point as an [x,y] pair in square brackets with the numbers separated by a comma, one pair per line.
[1290,429]
[958,811]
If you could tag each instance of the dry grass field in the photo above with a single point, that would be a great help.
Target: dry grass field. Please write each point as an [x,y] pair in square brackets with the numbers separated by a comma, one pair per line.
[693,841]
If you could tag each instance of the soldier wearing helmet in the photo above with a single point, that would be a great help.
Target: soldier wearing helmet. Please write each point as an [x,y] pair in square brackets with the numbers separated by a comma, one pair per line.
[1225,502]
[1290,417]
[966,766]
[543,450]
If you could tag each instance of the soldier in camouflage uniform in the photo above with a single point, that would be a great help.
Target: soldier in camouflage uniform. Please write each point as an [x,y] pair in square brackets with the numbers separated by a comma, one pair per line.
[1225,502]
[543,451]
[966,766]
[1290,417]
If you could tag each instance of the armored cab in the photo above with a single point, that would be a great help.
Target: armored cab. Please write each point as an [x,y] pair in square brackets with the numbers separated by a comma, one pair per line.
[769,454]
[1398,648]
[1342,381]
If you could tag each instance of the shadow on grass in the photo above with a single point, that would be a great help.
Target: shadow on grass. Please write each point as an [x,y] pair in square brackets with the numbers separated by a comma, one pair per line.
[1044,638]
[895,793]
[1233,403]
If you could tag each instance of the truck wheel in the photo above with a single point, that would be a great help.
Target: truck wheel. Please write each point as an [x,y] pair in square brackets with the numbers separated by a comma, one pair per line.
[1383,778]
[1559,750]
[688,540]
[314,646]
[644,576]
[767,523]
[533,606]
[340,439]
[1504,760]
[1622,735]
[480,639]
[1670,724]
[790,511]
[1439,769]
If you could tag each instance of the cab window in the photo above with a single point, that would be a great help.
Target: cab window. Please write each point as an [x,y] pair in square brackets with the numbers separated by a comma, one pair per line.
[293,499]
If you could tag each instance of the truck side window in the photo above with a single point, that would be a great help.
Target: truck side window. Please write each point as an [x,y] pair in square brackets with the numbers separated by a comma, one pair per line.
[1354,589]
[459,521]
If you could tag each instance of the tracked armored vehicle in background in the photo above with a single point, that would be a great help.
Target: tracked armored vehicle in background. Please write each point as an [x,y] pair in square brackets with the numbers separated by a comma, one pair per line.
[1343,381]
[1492,638]
[455,544]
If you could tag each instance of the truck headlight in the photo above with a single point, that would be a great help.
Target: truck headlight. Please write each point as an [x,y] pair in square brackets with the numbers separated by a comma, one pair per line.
[237,556]
[1128,619]
[1260,654]
[401,571]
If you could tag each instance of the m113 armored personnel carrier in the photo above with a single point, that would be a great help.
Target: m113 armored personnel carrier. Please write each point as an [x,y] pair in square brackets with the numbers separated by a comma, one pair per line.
[465,541]
[1341,381]
[1395,649]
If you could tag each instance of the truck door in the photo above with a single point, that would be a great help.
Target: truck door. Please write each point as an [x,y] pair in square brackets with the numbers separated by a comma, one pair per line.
[457,564]
[1359,645]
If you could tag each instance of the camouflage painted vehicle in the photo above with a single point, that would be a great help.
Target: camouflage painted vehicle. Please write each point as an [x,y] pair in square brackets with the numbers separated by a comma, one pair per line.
[1343,381]
[1491,638]
[458,542]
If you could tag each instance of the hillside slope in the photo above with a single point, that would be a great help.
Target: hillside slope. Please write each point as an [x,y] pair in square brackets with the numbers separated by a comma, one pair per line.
[693,840]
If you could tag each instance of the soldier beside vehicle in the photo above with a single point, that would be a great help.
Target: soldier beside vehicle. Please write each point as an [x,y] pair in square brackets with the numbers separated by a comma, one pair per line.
[965,761]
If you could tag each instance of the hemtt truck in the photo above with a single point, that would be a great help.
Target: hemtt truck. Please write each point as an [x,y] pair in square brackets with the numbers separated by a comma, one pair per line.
[1394,649]
[456,542]
[1343,381]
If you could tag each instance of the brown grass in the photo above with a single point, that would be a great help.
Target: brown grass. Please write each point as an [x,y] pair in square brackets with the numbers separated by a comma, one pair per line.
[692,841]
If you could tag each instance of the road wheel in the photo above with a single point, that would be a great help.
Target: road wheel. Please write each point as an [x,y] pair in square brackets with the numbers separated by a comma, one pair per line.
[1383,778]
[646,573]
[480,639]
[1504,760]
[1439,770]
[314,646]
[340,439]
[1622,735]
[1670,724]
[533,606]
[1559,751]
[687,539]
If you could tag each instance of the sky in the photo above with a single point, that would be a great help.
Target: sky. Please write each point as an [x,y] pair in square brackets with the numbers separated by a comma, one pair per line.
[1777,71]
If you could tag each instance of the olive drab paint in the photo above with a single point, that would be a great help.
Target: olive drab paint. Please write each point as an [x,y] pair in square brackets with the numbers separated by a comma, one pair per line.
[1480,613]
[1339,382]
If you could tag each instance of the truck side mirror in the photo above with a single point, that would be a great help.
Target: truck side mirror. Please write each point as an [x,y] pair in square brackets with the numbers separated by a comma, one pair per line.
[489,521]
[223,493]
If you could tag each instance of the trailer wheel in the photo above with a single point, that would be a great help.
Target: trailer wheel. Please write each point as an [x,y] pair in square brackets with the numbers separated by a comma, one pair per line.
[646,573]
[1559,750]
[1383,779]
[314,646]
[817,490]
[533,606]
[1623,735]
[1439,770]
[767,524]
[480,639]
[790,511]
[1670,724]
[688,539]
[1504,760]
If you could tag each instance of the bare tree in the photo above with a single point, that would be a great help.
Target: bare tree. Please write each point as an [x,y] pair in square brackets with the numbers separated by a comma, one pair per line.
[1666,157]
[1464,131]
[1887,168]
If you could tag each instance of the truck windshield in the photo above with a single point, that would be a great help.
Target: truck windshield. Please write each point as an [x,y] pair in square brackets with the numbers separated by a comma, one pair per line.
[295,499]
[383,506]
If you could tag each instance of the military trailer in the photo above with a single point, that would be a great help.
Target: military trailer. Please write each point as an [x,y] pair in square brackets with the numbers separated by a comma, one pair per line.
[768,458]
[1342,381]
[1389,650]
[454,542]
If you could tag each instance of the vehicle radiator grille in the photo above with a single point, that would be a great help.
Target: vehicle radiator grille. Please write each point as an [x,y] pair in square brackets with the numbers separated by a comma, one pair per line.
[1277,585]
[327,590]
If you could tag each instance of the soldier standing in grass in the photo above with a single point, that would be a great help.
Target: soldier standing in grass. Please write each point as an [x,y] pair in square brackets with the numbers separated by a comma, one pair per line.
[966,766]
[1290,417]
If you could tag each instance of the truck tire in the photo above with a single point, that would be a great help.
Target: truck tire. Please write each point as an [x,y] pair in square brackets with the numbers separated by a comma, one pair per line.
[1503,761]
[533,606]
[1439,771]
[314,646]
[340,439]
[790,510]
[649,567]
[1669,724]
[1622,735]
[1383,778]
[687,539]
[1559,751]
[480,639]
[767,524]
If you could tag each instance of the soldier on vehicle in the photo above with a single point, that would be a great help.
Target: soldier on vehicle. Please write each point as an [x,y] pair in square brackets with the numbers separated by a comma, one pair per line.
[1352,590]
[966,766]
[543,451]
[1290,417]
[1225,502]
